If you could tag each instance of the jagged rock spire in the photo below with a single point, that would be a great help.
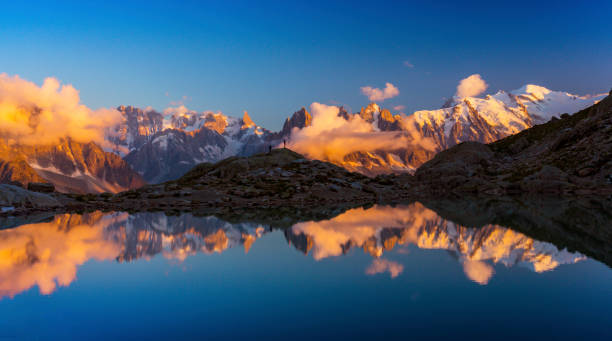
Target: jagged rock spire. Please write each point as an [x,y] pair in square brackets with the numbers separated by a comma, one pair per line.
[247,122]
[299,119]
[368,112]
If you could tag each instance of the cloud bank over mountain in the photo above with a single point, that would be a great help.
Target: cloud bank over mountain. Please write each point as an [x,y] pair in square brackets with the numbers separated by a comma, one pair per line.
[331,137]
[33,115]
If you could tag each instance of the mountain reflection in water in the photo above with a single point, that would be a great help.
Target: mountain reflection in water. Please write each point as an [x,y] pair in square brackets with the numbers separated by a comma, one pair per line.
[48,254]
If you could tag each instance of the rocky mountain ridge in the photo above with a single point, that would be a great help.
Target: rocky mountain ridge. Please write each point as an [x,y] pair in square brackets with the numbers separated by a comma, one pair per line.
[162,147]
[571,156]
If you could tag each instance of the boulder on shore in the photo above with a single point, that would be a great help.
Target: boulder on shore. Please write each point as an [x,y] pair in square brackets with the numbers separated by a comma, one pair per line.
[41,187]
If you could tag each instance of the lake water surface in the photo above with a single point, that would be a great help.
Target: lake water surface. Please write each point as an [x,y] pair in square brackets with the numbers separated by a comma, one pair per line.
[382,272]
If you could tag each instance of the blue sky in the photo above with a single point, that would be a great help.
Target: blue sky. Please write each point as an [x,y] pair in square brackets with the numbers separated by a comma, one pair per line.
[271,58]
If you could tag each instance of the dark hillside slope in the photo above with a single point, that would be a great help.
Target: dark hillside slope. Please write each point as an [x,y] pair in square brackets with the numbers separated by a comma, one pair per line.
[281,178]
[570,155]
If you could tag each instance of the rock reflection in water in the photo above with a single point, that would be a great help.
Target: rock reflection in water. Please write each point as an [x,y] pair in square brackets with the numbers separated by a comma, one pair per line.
[48,254]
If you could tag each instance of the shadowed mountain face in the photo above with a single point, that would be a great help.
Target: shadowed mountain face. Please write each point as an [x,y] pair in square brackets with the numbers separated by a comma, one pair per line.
[162,147]
[48,254]
[172,153]
[71,166]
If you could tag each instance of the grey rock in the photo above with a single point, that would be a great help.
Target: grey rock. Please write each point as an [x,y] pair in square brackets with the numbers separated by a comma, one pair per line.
[41,187]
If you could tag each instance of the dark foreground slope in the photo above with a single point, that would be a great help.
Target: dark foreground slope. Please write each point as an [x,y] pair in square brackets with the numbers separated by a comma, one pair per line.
[281,178]
[571,155]
[276,179]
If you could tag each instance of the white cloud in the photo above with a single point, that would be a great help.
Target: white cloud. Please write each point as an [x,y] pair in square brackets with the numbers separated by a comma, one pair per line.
[179,111]
[478,271]
[382,265]
[376,94]
[180,102]
[399,107]
[407,63]
[471,86]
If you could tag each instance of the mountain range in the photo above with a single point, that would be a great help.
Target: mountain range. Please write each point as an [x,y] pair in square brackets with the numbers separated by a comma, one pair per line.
[155,147]
[163,147]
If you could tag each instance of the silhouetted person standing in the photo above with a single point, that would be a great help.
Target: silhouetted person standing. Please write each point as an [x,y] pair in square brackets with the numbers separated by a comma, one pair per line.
[269,149]
[285,144]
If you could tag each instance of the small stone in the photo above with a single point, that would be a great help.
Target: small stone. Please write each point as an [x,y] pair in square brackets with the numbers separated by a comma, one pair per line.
[586,171]
[334,188]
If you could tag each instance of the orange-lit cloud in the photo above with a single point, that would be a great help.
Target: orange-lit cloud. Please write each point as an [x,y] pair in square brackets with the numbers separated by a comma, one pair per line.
[376,94]
[407,63]
[331,137]
[380,265]
[399,107]
[361,227]
[32,114]
[471,86]
[48,254]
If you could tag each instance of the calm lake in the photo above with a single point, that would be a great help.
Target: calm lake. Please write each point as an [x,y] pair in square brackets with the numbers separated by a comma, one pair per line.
[381,272]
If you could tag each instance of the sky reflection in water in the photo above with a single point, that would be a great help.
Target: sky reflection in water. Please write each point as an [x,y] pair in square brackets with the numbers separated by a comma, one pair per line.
[226,272]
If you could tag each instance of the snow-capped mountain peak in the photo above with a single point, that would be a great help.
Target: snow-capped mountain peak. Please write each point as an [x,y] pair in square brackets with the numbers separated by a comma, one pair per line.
[182,138]
[542,104]
[538,92]
[211,136]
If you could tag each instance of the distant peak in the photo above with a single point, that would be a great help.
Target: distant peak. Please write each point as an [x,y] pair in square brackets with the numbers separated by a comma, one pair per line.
[368,112]
[451,102]
[535,90]
[373,107]
[247,122]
